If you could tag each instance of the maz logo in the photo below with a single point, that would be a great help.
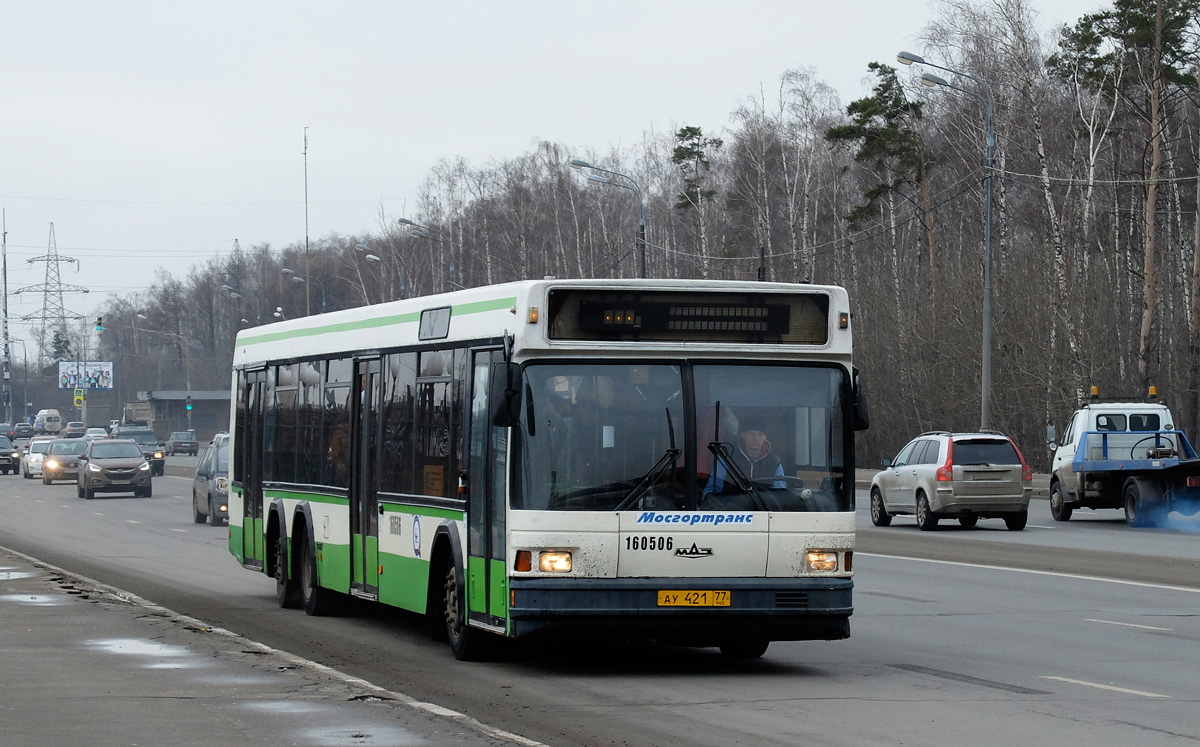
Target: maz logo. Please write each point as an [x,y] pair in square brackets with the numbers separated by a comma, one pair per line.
[694,552]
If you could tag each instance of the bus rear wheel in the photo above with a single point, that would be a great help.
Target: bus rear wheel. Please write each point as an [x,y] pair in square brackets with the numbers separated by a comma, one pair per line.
[317,601]
[287,591]
[466,643]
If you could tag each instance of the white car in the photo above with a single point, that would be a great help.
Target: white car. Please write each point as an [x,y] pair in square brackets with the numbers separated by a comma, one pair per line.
[32,456]
[91,434]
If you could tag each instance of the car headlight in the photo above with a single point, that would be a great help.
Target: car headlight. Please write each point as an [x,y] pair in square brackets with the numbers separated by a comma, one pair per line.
[52,463]
[158,455]
[145,466]
[223,485]
[93,468]
[16,455]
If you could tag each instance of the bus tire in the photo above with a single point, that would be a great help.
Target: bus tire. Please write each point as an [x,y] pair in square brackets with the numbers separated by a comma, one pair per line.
[1059,509]
[879,515]
[318,602]
[287,590]
[466,643]
[752,648]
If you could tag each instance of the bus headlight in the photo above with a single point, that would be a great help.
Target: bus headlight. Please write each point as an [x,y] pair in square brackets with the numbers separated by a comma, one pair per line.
[821,560]
[554,561]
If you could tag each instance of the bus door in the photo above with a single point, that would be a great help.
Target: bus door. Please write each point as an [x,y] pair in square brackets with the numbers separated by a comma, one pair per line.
[252,495]
[364,499]
[487,581]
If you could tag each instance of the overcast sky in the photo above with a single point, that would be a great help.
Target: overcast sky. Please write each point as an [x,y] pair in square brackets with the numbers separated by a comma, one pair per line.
[152,134]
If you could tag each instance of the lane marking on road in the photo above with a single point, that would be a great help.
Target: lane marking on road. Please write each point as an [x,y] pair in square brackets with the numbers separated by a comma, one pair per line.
[1099,686]
[1127,625]
[1038,526]
[181,531]
[176,477]
[96,513]
[407,700]
[132,521]
[1057,574]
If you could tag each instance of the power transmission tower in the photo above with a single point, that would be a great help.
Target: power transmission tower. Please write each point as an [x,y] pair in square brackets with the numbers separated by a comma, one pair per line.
[53,314]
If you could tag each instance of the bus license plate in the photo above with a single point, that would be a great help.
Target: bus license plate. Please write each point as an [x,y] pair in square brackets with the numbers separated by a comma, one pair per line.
[693,598]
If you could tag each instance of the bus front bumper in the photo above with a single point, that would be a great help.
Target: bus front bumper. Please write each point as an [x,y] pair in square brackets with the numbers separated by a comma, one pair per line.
[774,609]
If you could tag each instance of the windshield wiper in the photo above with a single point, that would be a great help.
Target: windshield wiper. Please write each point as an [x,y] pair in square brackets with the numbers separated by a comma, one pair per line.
[724,454]
[669,458]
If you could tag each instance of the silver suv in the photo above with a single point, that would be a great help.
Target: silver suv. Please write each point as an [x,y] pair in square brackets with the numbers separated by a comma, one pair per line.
[964,476]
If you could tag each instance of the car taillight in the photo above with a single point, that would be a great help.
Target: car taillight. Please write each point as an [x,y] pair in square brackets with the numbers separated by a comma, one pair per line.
[945,473]
[1026,470]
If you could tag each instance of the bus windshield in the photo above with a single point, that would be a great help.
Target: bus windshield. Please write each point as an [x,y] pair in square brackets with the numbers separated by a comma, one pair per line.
[691,436]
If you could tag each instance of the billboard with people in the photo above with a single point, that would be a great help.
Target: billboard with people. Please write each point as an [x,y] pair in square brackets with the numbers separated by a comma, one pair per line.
[85,375]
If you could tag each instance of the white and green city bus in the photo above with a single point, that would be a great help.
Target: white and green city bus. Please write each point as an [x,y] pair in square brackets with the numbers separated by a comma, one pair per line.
[559,457]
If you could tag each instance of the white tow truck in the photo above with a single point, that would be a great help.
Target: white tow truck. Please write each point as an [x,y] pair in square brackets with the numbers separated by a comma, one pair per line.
[1124,455]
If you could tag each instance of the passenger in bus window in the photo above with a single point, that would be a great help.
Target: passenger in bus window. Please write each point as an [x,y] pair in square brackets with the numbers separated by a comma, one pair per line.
[752,456]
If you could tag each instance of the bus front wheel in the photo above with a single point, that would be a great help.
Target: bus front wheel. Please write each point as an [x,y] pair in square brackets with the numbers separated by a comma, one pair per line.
[466,643]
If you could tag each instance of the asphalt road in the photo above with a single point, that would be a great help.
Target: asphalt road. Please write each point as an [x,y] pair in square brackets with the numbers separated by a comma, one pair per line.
[1081,633]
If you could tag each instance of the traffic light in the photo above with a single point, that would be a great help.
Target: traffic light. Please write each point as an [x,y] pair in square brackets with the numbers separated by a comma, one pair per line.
[99,324]
[189,403]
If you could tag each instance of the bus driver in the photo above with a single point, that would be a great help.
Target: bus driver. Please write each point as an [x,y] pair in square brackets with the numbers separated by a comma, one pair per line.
[753,456]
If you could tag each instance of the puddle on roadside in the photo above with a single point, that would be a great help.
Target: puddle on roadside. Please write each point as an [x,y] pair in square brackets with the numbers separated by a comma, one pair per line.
[380,736]
[287,706]
[238,679]
[36,600]
[137,647]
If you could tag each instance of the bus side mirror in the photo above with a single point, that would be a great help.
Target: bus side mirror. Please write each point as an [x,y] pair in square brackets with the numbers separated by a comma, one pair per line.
[504,395]
[862,417]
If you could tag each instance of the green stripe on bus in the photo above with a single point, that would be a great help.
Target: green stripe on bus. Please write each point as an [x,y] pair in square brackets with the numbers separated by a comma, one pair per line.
[475,307]
[436,513]
[297,495]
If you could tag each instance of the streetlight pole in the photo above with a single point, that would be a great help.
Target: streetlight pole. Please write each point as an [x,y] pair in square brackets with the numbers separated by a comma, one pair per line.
[929,79]
[422,232]
[630,185]
[297,278]
[239,295]
[372,257]
[25,388]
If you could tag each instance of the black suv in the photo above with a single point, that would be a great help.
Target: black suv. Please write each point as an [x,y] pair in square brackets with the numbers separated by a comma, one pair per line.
[149,444]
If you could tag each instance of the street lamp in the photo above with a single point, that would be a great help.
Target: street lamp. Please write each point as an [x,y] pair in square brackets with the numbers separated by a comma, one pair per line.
[630,185]
[929,79]
[279,313]
[296,278]
[238,295]
[423,232]
[371,257]
[25,357]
